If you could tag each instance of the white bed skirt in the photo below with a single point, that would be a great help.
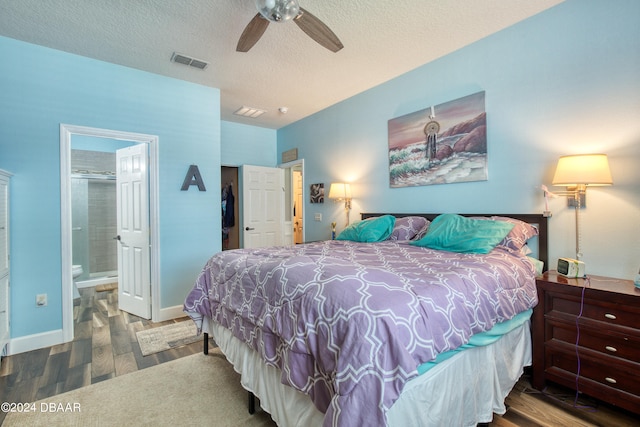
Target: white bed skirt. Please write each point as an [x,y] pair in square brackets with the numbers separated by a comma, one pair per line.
[464,390]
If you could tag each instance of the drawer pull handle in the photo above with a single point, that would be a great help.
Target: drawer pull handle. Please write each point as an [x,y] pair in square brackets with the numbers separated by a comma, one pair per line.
[611,349]
[611,380]
[610,316]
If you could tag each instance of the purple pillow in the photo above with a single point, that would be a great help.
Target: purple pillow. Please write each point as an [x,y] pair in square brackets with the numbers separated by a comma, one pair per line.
[409,228]
[518,236]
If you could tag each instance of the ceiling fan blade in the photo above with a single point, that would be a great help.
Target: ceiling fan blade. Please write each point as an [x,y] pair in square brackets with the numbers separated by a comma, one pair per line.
[317,30]
[252,33]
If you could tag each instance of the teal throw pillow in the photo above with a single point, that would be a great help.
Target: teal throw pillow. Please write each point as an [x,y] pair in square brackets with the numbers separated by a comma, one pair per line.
[371,230]
[456,233]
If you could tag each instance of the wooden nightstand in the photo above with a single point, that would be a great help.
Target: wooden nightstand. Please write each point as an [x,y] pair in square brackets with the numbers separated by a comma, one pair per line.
[605,313]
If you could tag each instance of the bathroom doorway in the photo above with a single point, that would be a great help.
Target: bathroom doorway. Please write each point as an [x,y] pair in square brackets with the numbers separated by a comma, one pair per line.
[90,142]
[93,210]
[294,202]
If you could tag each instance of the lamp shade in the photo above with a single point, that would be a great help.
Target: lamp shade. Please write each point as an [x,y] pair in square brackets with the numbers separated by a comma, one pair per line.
[340,190]
[583,169]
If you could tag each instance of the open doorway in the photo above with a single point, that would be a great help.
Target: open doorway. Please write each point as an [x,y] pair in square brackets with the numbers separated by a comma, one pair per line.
[294,201]
[93,210]
[229,198]
[100,137]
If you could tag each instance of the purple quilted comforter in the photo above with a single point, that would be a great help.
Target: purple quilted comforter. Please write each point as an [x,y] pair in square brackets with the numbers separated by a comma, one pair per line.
[348,323]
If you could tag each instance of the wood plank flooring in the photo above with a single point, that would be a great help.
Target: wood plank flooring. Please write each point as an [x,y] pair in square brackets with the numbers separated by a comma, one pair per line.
[558,406]
[105,346]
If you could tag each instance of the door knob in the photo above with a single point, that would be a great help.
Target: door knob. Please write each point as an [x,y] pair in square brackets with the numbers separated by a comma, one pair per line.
[117,238]
[249,228]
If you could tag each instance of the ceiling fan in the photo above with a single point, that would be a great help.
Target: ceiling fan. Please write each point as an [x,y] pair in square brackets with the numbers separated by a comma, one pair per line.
[282,11]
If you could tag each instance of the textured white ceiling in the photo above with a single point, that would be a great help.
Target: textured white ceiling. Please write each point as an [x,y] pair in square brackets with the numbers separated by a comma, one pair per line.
[382,40]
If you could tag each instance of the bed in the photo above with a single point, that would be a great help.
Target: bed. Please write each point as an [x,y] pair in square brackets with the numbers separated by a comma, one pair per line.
[390,332]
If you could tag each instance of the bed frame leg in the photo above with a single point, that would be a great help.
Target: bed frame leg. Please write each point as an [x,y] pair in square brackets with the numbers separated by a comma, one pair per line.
[252,403]
[205,349]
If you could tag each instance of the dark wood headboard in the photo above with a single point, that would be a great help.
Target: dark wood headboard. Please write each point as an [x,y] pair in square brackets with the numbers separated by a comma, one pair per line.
[538,220]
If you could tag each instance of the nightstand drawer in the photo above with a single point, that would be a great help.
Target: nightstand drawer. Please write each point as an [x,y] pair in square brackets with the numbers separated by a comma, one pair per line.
[613,343]
[613,315]
[614,376]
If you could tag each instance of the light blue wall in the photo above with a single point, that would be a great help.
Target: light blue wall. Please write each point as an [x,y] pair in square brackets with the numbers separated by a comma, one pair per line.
[248,145]
[93,143]
[42,88]
[566,81]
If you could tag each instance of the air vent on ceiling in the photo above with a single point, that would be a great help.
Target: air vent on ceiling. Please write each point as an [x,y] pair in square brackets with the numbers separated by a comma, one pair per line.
[185,60]
[249,112]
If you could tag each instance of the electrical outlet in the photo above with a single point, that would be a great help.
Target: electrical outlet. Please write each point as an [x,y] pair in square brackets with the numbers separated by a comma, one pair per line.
[41,300]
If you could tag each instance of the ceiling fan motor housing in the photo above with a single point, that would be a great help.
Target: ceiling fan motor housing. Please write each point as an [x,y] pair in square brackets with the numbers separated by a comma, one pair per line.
[278,10]
[282,11]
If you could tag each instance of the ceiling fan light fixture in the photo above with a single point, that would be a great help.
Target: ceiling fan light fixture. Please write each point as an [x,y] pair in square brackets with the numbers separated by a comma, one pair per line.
[278,10]
[282,11]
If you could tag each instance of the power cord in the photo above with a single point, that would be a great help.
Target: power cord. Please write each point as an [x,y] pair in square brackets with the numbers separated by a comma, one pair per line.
[578,339]
[587,282]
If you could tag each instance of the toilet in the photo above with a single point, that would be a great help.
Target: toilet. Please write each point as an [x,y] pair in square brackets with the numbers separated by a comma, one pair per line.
[76,271]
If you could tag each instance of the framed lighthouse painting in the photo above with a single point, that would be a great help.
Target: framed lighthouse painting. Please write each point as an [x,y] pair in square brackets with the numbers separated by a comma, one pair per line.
[440,144]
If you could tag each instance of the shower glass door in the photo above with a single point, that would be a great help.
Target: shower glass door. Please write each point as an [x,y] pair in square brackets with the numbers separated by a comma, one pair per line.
[80,224]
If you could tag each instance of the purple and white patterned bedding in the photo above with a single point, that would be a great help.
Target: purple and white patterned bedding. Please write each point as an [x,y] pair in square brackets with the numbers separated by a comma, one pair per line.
[348,323]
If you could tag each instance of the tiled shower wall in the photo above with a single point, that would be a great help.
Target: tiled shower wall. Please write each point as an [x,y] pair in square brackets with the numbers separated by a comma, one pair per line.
[102,226]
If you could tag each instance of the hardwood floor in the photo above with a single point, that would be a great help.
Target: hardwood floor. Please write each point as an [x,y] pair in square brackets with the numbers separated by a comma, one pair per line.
[105,346]
[558,406]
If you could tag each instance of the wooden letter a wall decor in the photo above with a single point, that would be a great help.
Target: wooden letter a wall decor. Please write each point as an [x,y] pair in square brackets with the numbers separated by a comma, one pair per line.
[193,178]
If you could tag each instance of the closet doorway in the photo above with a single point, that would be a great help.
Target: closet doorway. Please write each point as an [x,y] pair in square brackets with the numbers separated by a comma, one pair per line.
[230,221]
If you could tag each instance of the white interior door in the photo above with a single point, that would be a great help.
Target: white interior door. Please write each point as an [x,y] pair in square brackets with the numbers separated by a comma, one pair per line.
[134,270]
[262,206]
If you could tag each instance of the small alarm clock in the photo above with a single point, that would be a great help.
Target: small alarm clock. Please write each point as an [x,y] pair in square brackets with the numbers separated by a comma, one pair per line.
[570,267]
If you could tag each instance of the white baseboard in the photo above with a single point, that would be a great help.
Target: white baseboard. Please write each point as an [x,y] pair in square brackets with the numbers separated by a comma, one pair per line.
[35,341]
[51,338]
[169,313]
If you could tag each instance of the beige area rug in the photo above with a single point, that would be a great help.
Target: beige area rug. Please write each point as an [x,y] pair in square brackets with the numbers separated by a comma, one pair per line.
[197,390]
[167,337]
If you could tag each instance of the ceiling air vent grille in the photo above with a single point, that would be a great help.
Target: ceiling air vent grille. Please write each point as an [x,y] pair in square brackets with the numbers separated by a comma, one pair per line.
[185,60]
[249,112]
